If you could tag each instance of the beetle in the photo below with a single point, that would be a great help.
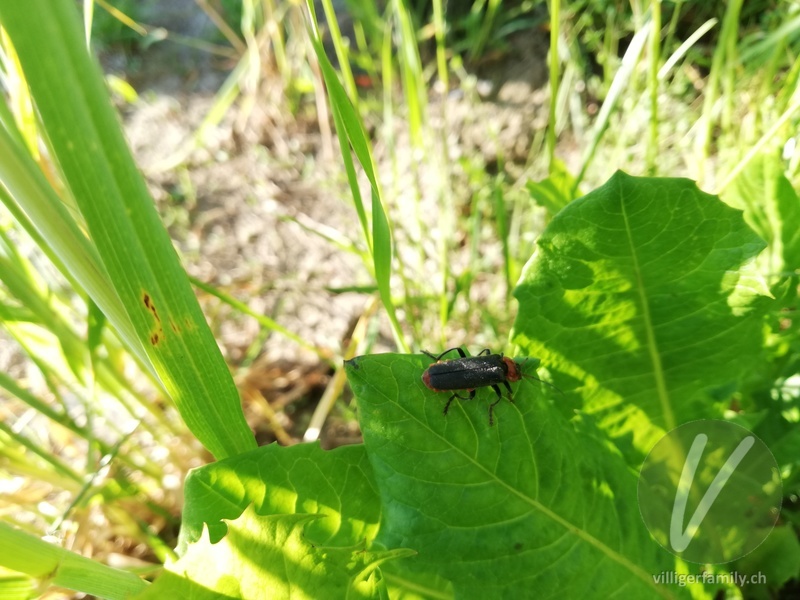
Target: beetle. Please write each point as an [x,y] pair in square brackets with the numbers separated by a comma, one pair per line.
[468,373]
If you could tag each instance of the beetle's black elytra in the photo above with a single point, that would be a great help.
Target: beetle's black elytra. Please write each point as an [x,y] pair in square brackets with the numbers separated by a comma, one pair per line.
[468,373]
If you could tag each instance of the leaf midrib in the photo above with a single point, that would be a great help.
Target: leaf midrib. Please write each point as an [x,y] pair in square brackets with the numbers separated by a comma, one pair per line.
[652,345]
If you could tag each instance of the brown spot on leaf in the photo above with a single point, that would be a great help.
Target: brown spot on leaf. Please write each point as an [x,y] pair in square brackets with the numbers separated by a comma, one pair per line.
[148,302]
[154,339]
[51,574]
[175,328]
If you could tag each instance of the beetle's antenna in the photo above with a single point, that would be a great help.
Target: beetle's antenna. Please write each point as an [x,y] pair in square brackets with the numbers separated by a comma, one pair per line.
[544,382]
[537,379]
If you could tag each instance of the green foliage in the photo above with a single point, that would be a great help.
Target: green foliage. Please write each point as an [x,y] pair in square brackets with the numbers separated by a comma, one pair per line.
[28,554]
[648,302]
[336,484]
[638,298]
[352,137]
[524,504]
[271,553]
[481,27]
[771,394]
[777,559]
[644,306]
[772,208]
[303,507]
[136,252]
[555,191]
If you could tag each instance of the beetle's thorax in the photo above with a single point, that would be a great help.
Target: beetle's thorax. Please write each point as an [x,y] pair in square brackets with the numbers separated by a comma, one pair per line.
[514,373]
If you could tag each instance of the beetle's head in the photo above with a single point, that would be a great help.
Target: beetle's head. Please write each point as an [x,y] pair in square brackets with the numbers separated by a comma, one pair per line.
[514,369]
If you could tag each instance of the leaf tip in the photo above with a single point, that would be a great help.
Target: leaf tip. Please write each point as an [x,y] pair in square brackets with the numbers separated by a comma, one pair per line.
[354,363]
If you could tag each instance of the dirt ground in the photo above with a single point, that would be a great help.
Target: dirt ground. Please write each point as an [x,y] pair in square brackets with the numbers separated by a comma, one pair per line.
[237,202]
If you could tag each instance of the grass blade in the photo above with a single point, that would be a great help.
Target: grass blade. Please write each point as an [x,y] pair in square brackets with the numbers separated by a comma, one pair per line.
[100,174]
[351,134]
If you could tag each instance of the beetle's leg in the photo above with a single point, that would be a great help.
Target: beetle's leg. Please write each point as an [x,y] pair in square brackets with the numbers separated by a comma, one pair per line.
[470,397]
[485,351]
[491,411]
[510,391]
[498,392]
[454,396]
[447,406]
[436,358]
[495,403]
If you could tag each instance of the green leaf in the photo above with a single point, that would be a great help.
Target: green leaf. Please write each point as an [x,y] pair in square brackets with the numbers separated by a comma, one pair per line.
[772,208]
[300,479]
[35,206]
[555,191]
[535,505]
[777,561]
[640,296]
[270,556]
[97,168]
[313,509]
[783,435]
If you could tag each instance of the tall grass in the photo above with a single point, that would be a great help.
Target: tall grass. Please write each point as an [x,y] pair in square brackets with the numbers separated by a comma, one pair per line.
[84,204]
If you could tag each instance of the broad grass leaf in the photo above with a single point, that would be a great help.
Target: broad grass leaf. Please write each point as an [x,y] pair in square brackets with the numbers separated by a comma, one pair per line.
[23,552]
[96,166]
